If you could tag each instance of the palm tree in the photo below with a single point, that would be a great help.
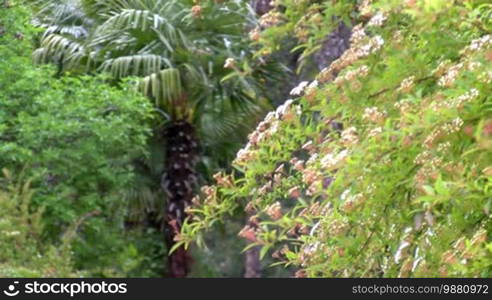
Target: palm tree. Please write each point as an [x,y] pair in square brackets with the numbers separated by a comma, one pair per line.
[190,59]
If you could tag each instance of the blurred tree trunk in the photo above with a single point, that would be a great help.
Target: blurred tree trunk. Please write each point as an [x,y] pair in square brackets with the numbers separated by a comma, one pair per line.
[178,184]
[334,45]
[261,7]
[252,264]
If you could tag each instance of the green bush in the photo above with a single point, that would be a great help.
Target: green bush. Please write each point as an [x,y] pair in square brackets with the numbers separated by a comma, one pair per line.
[22,252]
[76,138]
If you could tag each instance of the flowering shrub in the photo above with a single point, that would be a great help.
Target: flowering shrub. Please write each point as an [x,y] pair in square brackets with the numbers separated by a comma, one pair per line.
[381,166]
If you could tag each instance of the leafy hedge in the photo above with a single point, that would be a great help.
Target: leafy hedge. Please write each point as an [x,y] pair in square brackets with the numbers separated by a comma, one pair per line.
[74,140]
[382,166]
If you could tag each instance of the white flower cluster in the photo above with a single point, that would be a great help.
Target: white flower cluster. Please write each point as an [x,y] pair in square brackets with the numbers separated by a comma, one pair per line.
[351,75]
[223,180]
[404,106]
[473,65]
[455,125]
[450,77]
[209,195]
[312,85]
[374,45]
[349,136]
[303,86]
[441,68]
[359,49]
[270,19]
[478,44]
[422,157]
[398,36]
[266,129]
[443,147]
[457,102]
[308,251]
[443,130]
[230,63]
[452,73]
[338,227]
[299,89]
[375,132]
[350,201]
[365,8]
[374,115]
[274,211]
[332,161]
[358,35]
[428,170]
[485,77]
[377,20]
[407,84]
[312,159]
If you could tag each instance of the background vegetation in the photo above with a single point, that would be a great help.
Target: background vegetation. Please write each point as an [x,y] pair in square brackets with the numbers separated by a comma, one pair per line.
[378,166]
[69,144]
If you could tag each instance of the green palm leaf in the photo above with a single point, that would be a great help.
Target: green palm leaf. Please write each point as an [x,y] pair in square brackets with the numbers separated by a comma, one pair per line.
[164,87]
[142,20]
[55,44]
[133,65]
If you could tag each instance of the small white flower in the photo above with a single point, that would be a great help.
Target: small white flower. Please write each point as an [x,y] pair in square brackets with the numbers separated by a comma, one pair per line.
[297,91]
[378,40]
[230,63]
[313,84]
[377,20]
[332,161]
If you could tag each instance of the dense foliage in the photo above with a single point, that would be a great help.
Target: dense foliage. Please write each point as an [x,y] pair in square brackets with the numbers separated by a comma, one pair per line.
[73,140]
[183,55]
[380,167]
[22,254]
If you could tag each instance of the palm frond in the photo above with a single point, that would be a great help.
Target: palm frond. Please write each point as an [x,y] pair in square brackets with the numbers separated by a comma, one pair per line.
[143,20]
[75,31]
[152,38]
[56,45]
[133,65]
[119,30]
[164,87]
[61,13]
[110,7]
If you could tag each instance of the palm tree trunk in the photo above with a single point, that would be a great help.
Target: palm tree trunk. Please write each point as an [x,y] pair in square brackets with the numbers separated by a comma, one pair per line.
[178,184]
